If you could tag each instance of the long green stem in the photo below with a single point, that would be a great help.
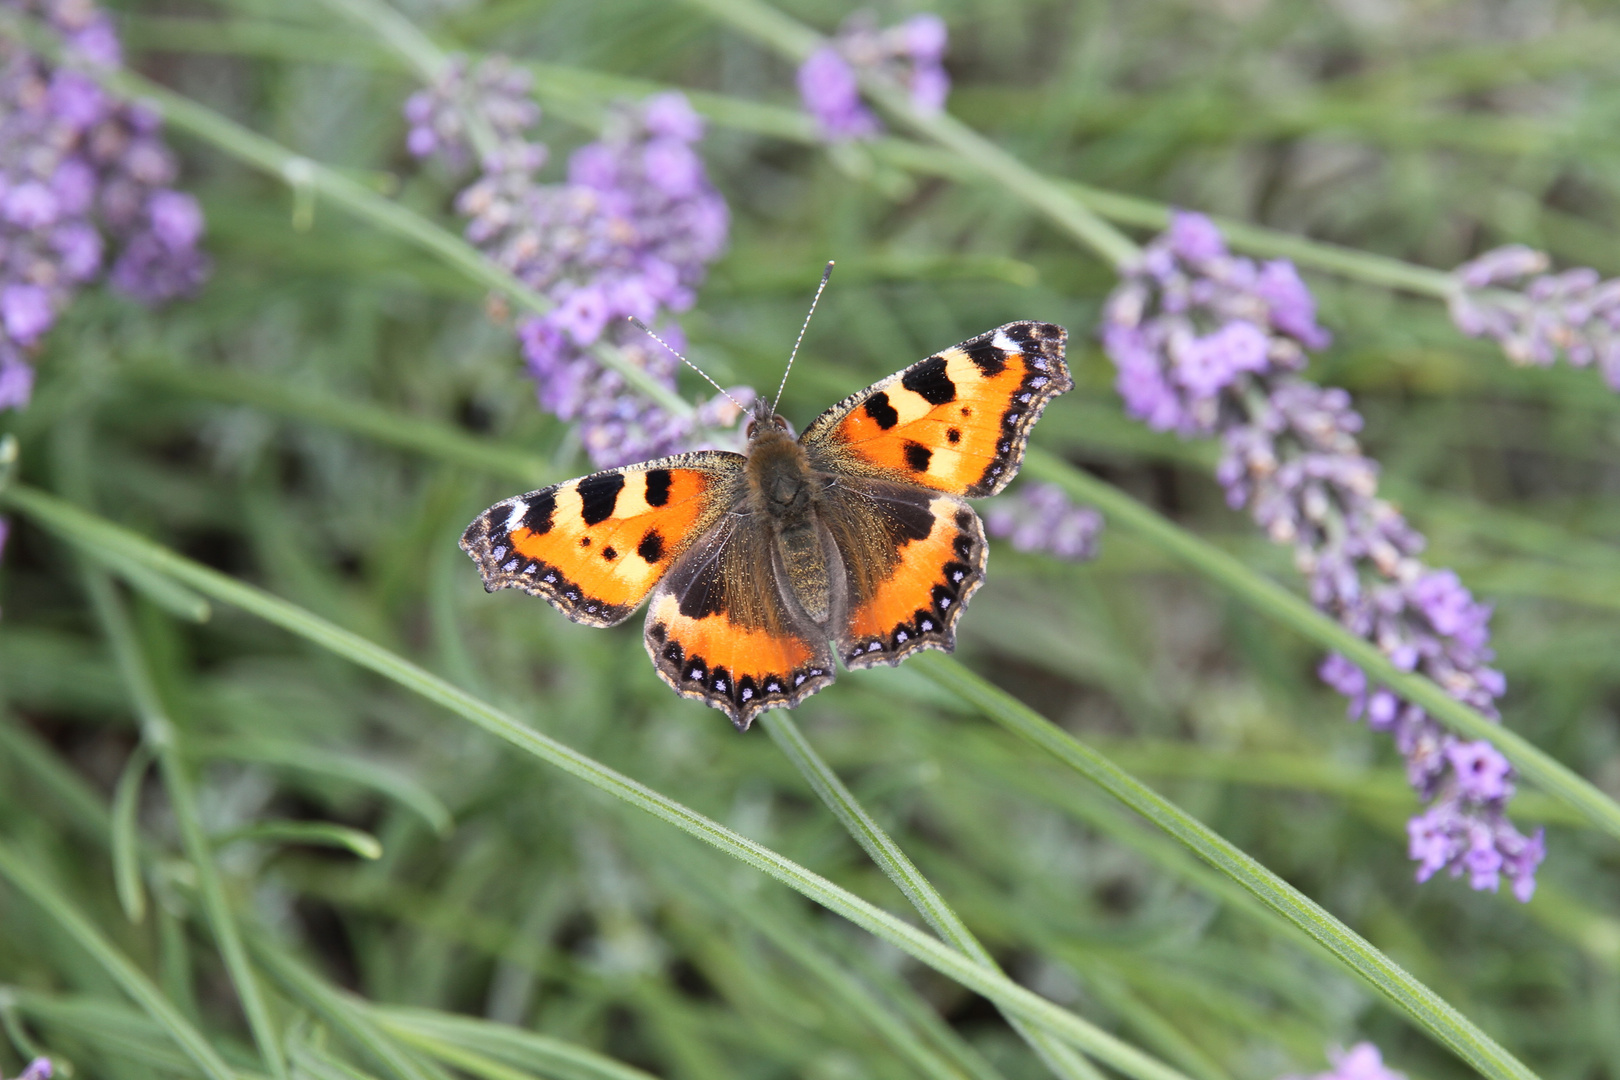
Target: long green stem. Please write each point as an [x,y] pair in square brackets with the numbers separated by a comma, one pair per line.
[898,868]
[84,529]
[1417,1000]
[56,906]
[162,738]
[1354,951]
[1293,611]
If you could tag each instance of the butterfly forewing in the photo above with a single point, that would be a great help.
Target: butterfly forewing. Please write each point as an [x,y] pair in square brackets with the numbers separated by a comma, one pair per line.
[596,546]
[956,421]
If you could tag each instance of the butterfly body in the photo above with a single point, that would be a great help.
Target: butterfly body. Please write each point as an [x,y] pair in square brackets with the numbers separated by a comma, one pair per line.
[854,535]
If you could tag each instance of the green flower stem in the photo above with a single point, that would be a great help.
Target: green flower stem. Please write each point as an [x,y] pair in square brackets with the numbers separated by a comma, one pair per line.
[1293,611]
[1414,998]
[483,1047]
[318,833]
[159,733]
[899,868]
[162,739]
[342,1012]
[307,178]
[430,438]
[14,868]
[85,529]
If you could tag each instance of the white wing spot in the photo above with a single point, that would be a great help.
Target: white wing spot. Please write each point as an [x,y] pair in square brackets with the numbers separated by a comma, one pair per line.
[498,552]
[944,602]
[748,693]
[550,579]
[510,565]
[1005,343]
[515,518]
[902,636]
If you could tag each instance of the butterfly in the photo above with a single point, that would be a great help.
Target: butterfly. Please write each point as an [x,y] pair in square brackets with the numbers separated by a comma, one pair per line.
[856,535]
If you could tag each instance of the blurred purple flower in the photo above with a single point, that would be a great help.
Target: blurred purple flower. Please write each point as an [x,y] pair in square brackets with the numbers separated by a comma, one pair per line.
[80,173]
[1507,296]
[630,234]
[39,1068]
[1361,1062]
[1040,517]
[912,53]
[1210,343]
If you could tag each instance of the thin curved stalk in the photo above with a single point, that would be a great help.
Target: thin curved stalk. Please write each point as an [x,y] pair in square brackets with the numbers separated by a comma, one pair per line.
[898,868]
[14,868]
[1355,952]
[1293,611]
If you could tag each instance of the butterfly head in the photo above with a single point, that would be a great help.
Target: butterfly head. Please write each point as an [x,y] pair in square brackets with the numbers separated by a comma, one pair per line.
[766,423]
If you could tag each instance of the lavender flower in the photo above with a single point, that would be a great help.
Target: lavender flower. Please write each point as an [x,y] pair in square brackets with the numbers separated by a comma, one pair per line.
[1209,343]
[80,174]
[38,1069]
[1361,1062]
[912,53]
[1507,296]
[630,234]
[1040,517]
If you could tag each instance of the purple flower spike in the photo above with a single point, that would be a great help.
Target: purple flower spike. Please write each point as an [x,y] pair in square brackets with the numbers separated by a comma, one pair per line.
[630,235]
[830,93]
[1537,317]
[1039,517]
[80,175]
[911,53]
[1210,343]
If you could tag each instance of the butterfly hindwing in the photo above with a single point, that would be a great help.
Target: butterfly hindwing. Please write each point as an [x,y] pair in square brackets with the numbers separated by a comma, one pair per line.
[596,546]
[719,630]
[912,559]
[956,421]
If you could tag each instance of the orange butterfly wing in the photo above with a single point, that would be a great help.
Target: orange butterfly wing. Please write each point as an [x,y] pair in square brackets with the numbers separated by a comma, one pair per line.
[957,421]
[596,546]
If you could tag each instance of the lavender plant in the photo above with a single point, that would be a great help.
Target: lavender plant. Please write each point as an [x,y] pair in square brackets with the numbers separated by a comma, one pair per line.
[1507,295]
[1040,517]
[84,180]
[37,1069]
[1207,343]
[1362,1061]
[630,234]
[911,53]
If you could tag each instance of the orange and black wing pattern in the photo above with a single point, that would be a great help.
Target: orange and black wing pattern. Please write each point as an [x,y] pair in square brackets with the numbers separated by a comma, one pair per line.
[720,632]
[912,558]
[956,421]
[596,546]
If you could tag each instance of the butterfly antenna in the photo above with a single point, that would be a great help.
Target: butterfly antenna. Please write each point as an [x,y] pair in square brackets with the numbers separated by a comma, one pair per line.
[645,329]
[825,274]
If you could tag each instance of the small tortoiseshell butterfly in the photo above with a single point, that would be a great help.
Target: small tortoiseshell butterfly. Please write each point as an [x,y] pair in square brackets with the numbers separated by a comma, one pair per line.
[855,534]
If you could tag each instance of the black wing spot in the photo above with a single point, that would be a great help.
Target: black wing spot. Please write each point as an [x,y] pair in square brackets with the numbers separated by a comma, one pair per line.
[651,548]
[966,411]
[918,456]
[953,435]
[598,495]
[910,521]
[988,358]
[658,482]
[584,541]
[878,408]
[609,554]
[964,520]
[657,632]
[929,381]
[537,519]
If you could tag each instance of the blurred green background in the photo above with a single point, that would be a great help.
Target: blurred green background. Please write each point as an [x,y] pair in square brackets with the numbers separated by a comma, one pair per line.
[304,424]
